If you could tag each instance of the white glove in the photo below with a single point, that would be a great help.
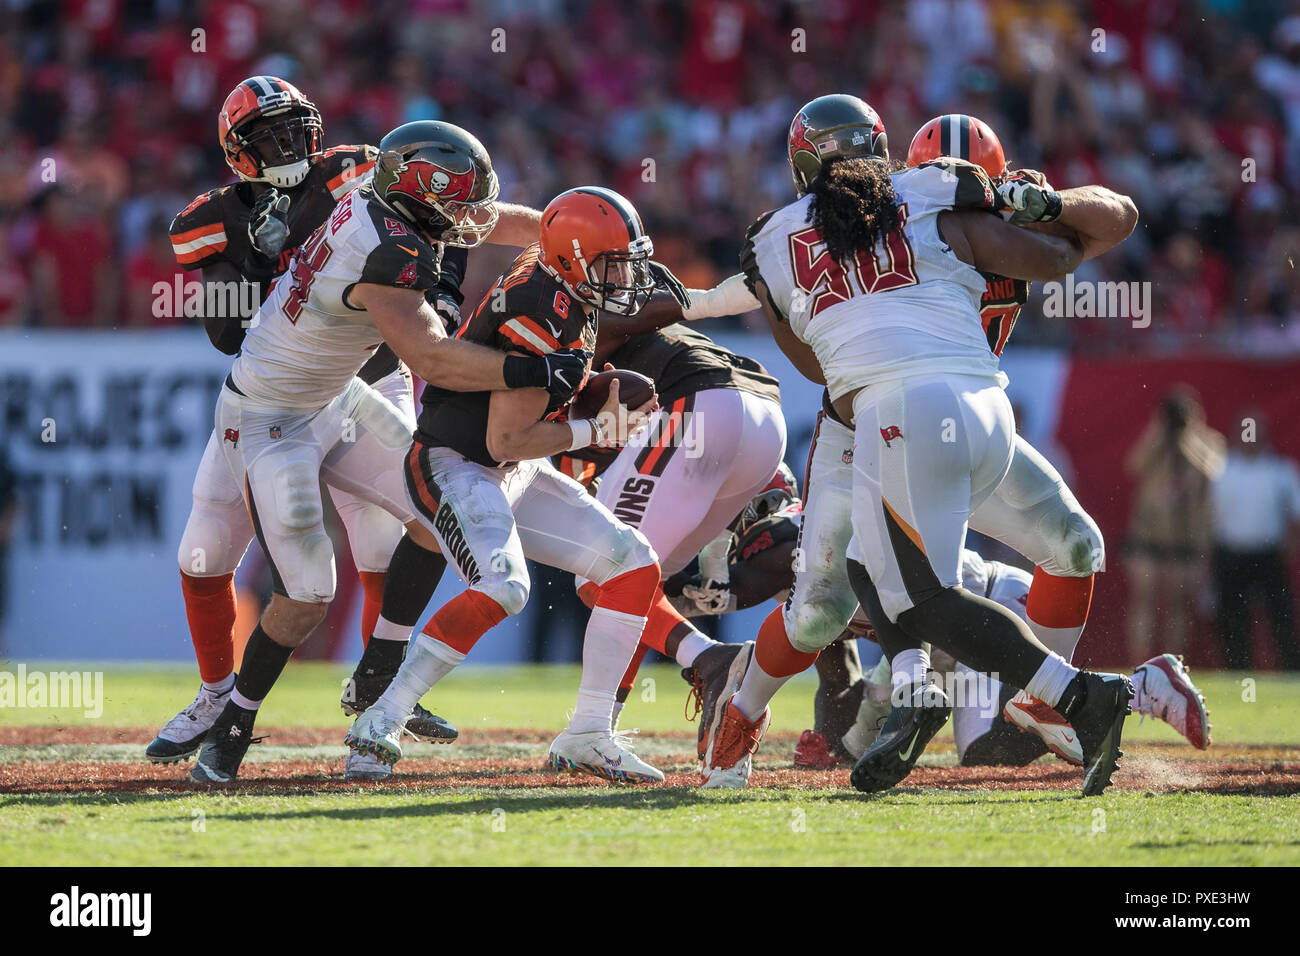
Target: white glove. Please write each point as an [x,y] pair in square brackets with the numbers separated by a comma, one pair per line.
[1030,202]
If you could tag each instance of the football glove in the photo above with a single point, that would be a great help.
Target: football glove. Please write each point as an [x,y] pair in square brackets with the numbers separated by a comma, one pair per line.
[268,224]
[664,279]
[1029,202]
[448,310]
[711,597]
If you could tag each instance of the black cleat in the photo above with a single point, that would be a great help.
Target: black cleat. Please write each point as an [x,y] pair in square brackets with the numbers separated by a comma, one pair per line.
[362,690]
[1099,723]
[714,677]
[223,750]
[903,738]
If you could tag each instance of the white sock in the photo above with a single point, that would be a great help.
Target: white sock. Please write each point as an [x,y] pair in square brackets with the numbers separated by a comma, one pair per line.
[221,686]
[386,630]
[239,700]
[1051,679]
[607,648]
[427,662]
[691,646]
[757,690]
[1061,640]
[909,667]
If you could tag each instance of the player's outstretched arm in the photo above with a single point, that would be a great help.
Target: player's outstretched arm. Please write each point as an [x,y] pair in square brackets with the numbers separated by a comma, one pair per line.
[416,333]
[516,225]
[992,245]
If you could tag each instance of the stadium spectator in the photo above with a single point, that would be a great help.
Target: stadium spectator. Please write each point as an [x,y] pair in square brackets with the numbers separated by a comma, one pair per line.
[73,272]
[1169,534]
[1256,502]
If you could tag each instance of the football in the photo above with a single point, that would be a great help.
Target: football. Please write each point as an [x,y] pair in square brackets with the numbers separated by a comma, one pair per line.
[634,390]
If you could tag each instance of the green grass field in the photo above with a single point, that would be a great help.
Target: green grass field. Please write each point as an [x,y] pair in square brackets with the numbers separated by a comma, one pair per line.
[77,791]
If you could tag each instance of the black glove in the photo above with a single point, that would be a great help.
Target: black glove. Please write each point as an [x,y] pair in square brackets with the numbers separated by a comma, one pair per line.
[560,372]
[268,224]
[449,310]
[664,279]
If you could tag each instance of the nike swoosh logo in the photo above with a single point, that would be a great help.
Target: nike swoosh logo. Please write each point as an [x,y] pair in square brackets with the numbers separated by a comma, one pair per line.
[1068,738]
[907,754]
[404,249]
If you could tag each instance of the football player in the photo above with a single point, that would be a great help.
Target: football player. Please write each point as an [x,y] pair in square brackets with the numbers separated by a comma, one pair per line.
[272,137]
[293,413]
[481,482]
[715,443]
[898,255]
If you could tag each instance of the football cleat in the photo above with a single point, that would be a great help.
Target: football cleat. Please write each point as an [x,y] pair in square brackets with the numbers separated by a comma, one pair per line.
[1163,688]
[600,754]
[1033,716]
[813,752]
[365,766]
[183,734]
[224,748]
[378,734]
[361,692]
[1003,744]
[1099,724]
[714,677]
[903,738]
[872,712]
[728,758]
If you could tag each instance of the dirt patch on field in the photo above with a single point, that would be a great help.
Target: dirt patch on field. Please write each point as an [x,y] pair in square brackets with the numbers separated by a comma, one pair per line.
[1258,777]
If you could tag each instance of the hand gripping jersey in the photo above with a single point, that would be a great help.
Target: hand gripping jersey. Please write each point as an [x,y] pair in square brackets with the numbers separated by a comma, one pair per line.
[912,308]
[526,311]
[307,342]
[214,228]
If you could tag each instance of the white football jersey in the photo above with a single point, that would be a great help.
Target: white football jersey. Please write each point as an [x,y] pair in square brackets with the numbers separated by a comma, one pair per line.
[912,308]
[1001,583]
[307,342]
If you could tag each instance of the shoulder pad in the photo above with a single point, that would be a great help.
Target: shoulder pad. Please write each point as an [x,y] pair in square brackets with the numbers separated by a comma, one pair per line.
[345,167]
[954,183]
[399,258]
[748,258]
[198,232]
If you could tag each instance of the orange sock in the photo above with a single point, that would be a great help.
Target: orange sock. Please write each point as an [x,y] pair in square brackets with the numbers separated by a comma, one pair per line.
[774,652]
[372,583]
[464,619]
[210,609]
[1057,609]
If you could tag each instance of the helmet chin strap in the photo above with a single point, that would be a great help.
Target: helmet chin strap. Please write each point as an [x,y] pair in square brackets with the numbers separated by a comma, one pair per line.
[287,176]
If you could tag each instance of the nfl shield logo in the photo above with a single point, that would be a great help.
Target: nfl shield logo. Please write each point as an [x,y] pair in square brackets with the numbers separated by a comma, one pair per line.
[275,431]
[847,457]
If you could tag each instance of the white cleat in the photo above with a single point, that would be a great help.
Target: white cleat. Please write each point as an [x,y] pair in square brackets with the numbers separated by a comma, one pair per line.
[1163,688]
[184,734]
[1033,716]
[872,712]
[378,734]
[600,754]
[365,766]
[728,759]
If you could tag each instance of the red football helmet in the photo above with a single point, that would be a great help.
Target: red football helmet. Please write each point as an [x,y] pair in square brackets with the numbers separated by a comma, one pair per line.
[593,242]
[962,137]
[269,132]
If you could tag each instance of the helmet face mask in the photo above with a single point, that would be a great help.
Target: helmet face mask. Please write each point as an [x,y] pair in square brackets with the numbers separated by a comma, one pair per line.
[280,146]
[620,280]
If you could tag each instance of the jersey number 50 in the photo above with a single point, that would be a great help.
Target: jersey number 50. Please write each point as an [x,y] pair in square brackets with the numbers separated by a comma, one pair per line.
[890,265]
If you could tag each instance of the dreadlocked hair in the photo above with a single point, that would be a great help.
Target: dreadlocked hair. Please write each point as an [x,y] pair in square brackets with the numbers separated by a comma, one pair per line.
[853,205]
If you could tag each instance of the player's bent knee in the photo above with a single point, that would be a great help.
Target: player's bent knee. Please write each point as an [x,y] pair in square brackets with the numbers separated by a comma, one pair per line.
[215,538]
[510,593]
[813,627]
[1080,550]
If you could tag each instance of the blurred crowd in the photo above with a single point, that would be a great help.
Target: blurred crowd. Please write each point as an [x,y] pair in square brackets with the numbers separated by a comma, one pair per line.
[108,119]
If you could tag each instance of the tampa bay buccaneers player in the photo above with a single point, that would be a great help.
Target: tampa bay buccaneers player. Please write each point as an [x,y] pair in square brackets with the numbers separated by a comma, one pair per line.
[480,480]
[293,413]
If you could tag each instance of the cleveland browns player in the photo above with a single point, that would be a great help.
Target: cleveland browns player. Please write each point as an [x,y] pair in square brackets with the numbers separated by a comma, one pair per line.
[271,136]
[480,480]
[293,413]
[712,447]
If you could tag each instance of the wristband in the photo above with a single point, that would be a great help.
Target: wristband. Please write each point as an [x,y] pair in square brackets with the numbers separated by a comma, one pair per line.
[525,371]
[729,297]
[585,433]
